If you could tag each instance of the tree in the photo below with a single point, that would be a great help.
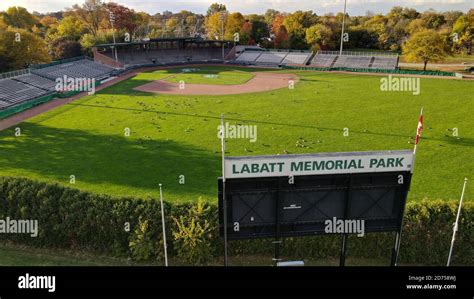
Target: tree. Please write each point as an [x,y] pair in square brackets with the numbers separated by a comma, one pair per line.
[281,38]
[424,46]
[270,15]
[21,53]
[213,25]
[70,27]
[91,14]
[463,33]
[124,17]
[234,24]
[318,36]
[215,8]
[63,48]
[19,17]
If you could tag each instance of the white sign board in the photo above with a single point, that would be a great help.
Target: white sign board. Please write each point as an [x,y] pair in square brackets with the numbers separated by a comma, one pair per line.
[318,164]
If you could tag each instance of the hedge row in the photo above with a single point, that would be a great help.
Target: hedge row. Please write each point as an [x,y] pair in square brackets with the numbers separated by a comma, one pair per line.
[131,227]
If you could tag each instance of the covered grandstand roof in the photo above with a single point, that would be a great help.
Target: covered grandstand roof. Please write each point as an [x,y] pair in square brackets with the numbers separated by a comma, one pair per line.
[156,40]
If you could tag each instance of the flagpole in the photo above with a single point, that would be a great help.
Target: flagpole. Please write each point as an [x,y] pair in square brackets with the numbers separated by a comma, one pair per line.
[224,200]
[455,228]
[398,237]
[164,228]
[416,143]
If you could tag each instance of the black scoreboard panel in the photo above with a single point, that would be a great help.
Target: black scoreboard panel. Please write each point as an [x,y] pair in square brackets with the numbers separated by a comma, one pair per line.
[272,207]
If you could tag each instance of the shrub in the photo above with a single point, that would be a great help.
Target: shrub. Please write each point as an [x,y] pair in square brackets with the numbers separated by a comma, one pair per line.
[74,219]
[193,235]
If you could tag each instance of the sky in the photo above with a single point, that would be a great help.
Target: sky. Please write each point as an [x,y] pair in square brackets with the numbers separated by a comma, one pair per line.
[354,7]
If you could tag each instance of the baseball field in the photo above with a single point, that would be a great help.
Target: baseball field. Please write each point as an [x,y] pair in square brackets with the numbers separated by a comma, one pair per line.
[124,141]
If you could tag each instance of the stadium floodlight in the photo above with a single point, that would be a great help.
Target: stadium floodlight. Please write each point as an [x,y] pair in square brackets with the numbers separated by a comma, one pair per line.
[342,31]
[222,24]
[112,20]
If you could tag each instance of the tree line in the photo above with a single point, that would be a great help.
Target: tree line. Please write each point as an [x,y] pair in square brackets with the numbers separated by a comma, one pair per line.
[29,38]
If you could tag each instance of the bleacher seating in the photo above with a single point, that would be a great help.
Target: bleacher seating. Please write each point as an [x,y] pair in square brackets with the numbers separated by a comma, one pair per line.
[388,63]
[272,58]
[249,56]
[355,60]
[35,83]
[83,68]
[360,62]
[14,92]
[297,58]
[323,60]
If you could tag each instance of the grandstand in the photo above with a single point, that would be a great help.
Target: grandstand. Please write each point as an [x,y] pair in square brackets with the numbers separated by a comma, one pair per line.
[273,58]
[25,86]
[355,60]
[297,58]
[162,51]
[83,68]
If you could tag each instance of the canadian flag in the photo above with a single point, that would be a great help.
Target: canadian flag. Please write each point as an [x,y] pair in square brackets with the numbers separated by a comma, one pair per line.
[420,127]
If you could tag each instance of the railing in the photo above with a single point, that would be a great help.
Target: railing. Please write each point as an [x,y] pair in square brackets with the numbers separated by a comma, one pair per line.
[40,66]
[13,74]
[358,53]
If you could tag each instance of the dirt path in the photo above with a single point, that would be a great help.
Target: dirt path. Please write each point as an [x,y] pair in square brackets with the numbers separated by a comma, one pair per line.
[260,82]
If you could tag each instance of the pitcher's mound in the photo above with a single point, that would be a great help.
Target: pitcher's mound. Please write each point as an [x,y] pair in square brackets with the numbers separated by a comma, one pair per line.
[260,82]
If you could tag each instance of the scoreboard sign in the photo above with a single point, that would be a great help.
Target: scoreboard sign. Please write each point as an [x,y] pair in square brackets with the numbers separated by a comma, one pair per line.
[330,163]
[293,195]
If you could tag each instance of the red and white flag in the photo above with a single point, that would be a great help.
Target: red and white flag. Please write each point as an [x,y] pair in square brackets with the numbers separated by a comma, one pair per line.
[420,127]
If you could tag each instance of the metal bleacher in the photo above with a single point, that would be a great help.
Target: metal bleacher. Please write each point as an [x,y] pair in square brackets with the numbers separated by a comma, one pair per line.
[26,85]
[297,58]
[355,60]
[271,58]
[249,56]
[323,60]
[13,92]
[83,68]
[387,63]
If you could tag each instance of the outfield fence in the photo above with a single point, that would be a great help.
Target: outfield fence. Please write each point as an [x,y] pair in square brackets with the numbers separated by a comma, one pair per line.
[384,71]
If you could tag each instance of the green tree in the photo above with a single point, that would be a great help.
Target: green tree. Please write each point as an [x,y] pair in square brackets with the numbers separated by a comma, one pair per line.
[424,46]
[23,48]
[63,48]
[463,33]
[215,8]
[70,27]
[19,17]
[91,14]
[319,36]
[234,24]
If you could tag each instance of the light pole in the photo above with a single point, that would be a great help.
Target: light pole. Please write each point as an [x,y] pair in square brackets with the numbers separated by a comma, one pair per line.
[342,32]
[112,20]
[222,29]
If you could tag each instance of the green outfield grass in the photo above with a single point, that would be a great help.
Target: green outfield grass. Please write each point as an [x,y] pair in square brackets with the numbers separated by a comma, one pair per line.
[177,135]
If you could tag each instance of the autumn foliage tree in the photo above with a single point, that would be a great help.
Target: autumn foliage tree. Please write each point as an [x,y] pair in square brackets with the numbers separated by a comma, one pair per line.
[425,46]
